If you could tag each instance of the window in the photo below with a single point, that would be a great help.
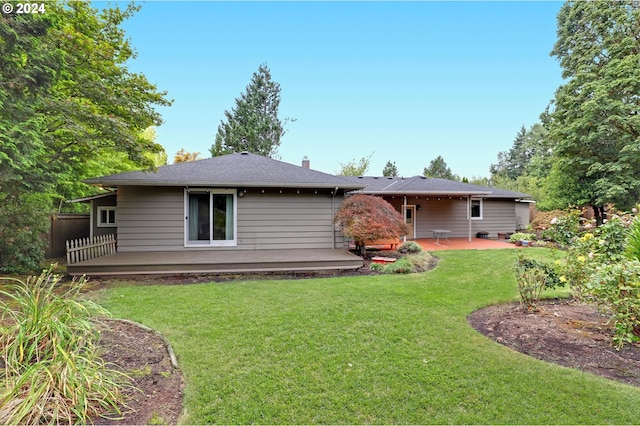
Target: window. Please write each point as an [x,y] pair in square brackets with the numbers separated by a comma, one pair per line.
[476,208]
[210,217]
[106,217]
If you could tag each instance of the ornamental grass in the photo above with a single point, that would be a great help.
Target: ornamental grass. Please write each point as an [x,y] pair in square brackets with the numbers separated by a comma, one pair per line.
[49,364]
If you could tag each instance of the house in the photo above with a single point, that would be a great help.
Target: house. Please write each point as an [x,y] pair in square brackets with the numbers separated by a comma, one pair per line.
[457,209]
[215,214]
[245,212]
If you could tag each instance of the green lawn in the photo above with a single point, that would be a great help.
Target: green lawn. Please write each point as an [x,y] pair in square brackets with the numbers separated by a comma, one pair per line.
[383,349]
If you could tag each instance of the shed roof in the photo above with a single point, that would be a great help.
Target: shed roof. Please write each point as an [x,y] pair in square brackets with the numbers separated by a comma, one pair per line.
[242,169]
[420,185]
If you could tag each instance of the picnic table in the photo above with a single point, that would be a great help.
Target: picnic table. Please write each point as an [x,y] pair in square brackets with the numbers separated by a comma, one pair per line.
[441,234]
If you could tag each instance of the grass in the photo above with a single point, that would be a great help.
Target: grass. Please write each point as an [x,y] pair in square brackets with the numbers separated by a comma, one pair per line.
[375,349]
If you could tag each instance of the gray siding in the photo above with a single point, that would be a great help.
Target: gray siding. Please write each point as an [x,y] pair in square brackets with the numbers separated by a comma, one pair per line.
[289,220]
[153,219]
[150,219]
[451,214]
[102,202]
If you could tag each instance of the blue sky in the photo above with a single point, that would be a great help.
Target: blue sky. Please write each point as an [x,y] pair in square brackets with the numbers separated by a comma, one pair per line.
[406,81]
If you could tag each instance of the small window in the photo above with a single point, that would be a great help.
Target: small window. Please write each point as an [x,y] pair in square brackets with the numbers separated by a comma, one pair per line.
[476,208]
[106,217]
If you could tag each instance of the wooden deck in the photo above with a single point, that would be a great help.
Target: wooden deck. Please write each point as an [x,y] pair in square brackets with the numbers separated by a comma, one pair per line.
[217,261]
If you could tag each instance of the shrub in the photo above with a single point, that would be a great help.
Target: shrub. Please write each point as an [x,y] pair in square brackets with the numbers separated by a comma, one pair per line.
[543,220]
[632,249]
[421,261]
[521,236]
[563,229]
[616,288]
[21,224]
[378,267]
[48,347]
[400,266]
[410,247]
[533,278]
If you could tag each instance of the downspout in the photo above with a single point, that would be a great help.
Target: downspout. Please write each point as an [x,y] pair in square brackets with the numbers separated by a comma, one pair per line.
[333,214]
[469,214]
[404,239]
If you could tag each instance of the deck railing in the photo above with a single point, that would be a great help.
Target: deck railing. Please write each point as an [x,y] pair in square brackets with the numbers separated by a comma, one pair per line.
[89,248]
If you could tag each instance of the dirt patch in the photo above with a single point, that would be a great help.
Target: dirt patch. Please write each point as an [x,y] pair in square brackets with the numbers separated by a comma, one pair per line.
[565,333]
[143,355]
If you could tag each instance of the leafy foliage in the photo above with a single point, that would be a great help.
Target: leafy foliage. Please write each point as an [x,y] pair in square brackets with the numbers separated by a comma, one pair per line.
[21,224]
[616,287]
[410,247]
[564,227]
[533,277]
[183,156]
[366,218]
[438,169]
[521,236]
[595,124]
[390,169]
[70,109]
[50,365]
[632,250]
[253,124]
[355,167]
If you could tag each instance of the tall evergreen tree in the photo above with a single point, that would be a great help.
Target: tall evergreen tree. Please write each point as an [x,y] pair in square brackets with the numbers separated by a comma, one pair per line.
[596,121]
[438,169]
[390,169]
[252,124]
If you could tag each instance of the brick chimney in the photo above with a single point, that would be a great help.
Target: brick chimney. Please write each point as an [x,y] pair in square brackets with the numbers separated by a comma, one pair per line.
[305,162]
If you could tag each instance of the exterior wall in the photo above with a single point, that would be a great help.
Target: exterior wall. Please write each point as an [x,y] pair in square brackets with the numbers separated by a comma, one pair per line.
[153,219]
[451,214]
[288,220]
[150,219]
[109,201]
[523,214]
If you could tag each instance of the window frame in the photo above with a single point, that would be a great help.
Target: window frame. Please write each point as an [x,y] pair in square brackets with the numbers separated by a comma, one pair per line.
[470,208]
[211,242]
[100,223]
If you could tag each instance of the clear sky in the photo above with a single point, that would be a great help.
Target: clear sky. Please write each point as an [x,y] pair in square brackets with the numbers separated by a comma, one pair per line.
[406,81]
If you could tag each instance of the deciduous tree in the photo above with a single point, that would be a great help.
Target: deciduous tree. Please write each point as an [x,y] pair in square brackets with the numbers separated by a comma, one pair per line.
[355,167]
[183,156]
[596,121]
[67,99]
[366,218]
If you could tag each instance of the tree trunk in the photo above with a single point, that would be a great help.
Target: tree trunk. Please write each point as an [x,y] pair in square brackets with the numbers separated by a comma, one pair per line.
[600,214]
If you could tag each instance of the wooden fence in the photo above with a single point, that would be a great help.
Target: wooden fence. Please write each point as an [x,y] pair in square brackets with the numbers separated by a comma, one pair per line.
[64,226]
[89,248]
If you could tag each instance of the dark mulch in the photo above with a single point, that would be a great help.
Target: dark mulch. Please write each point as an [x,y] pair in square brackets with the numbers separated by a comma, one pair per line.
[570,334]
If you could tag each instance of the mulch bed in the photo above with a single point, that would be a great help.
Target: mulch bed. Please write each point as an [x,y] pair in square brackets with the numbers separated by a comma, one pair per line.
[563,332]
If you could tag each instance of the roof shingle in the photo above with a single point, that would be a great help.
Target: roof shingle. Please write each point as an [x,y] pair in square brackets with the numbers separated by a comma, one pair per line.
[243,169]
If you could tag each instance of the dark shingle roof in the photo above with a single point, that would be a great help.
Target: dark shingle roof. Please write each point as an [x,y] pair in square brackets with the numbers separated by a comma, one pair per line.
[429,186]
[230,170]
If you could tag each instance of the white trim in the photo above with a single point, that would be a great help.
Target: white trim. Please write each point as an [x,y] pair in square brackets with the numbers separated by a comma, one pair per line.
[413,209]
[469,203]
[101,224]
[211,242]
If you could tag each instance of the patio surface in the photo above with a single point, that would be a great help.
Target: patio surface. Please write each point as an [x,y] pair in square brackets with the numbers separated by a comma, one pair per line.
[429,244]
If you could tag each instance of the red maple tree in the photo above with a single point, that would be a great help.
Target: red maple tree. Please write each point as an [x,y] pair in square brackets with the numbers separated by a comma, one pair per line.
[366,218]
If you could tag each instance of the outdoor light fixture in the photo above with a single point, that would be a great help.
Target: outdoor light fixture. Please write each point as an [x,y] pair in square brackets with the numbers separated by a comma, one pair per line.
[419,207]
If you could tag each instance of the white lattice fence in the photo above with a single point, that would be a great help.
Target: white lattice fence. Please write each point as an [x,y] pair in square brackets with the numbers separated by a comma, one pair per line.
[89,248]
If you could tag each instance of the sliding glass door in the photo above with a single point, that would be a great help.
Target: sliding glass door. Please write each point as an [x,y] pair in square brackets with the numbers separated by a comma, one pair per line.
[210,217]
